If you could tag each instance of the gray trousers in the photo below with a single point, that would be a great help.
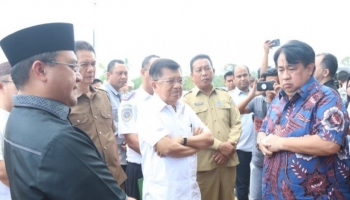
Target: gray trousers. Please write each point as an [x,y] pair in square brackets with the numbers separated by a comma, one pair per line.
[255,182]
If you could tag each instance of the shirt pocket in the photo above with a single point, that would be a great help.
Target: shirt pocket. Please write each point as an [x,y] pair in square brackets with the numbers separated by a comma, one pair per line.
[79,120]
[107,122]
[201,111]
[106,114]
[223,109]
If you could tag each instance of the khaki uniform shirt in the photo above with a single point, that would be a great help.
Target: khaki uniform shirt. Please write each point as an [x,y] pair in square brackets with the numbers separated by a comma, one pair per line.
[222,117]
[94,116]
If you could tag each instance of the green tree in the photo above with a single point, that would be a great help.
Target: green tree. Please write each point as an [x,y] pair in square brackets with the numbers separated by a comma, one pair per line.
[188,84]
[346,61]
[254,73]
[218,81]
[229,67]
[137,82]
[103,76]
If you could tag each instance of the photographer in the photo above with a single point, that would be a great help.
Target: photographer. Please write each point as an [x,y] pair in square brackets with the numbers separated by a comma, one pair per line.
[258,102]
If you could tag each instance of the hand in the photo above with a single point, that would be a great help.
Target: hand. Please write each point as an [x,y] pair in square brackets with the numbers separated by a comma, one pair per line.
[273,143]
[129,198]
[264,150]
[197,131]
[227,149]
[254,91]
[234,144]
[123,145]
[158,153]
[267,46]
[219,158]
[179,140]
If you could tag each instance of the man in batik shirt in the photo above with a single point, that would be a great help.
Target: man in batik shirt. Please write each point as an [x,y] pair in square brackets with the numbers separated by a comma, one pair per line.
[304,133]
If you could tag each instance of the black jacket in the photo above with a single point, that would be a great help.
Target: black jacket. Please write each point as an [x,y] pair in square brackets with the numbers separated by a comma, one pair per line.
[47,158]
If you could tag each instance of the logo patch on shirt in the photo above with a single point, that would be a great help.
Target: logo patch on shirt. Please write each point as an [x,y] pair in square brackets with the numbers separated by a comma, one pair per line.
[198,103]
[219,103]
[126,114]
[127,96]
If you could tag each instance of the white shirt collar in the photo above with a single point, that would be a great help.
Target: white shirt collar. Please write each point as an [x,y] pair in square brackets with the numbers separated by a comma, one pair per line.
[160,104]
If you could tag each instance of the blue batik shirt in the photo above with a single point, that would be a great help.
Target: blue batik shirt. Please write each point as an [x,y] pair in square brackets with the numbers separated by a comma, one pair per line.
[314,110]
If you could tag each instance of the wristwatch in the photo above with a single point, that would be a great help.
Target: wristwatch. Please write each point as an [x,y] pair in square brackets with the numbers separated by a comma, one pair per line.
[185,141]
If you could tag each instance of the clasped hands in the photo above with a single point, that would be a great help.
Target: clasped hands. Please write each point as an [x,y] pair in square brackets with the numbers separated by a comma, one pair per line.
[224,152]
[270,144]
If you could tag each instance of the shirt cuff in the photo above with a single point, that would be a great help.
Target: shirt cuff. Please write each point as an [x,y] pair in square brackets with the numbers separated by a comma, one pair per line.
[216,144]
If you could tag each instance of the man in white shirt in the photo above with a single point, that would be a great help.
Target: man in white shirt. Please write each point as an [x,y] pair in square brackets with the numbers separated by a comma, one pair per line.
[241,78]
[127,127]
[170,135]
[7,90]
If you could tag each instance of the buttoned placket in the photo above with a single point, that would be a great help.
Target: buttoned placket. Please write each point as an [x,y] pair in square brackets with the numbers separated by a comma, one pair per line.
[96,117]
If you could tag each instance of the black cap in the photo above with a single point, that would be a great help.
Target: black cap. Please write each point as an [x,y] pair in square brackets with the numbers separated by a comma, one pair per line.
[36,40]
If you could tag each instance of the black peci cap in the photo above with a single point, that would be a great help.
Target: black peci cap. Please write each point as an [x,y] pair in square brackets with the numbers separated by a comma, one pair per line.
[38,39]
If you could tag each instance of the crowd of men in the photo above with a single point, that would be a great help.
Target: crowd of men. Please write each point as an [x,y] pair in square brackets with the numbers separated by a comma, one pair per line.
[66,135]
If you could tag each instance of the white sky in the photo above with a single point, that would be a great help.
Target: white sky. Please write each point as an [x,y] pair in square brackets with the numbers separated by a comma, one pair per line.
[228,31]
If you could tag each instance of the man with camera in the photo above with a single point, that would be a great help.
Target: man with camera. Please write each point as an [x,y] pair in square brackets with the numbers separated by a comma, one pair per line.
[258,102]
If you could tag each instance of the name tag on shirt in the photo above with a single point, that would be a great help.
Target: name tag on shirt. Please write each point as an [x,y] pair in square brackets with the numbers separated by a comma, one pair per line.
[198,103]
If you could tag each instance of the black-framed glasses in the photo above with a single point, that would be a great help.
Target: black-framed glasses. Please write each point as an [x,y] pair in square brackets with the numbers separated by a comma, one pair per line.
[75,67]
[172,81]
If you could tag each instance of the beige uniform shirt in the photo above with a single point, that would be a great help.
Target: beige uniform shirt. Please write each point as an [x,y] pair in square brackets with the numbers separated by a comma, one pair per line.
[94,116]
[222,117]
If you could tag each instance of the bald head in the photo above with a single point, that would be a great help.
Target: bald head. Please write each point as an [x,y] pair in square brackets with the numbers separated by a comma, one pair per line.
[241,77]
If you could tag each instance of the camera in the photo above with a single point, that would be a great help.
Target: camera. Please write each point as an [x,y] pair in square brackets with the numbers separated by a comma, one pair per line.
[265,85]
[276,43]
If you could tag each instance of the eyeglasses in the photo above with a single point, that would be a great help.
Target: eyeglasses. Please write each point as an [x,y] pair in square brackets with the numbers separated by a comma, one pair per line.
[75,67]
[206,69]
[172,81]
[87,64]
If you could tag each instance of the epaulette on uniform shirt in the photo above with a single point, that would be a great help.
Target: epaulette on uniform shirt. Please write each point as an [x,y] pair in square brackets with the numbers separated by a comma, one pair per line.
[188,93]
[223,89]
[100,90]
[128,96]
